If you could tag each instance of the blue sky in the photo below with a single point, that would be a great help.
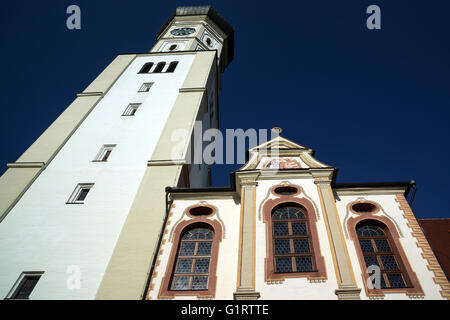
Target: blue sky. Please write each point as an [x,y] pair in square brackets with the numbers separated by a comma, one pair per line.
[373,103]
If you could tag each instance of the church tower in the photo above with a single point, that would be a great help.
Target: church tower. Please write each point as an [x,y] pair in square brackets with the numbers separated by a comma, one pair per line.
[81,211]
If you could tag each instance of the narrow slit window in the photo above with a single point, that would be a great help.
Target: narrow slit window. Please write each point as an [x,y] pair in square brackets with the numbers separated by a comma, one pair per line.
[146,67]
[25,285]
[145,87]
[131,109]
[159,67]
[172,66]
[80,193]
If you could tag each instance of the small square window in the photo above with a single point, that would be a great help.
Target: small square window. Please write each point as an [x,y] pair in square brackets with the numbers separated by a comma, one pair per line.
[145,87]
[24,285]
[80,193]
[104,153]
[131,109]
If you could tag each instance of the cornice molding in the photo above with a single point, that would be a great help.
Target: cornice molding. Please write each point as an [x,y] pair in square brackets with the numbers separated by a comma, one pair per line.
[25,165]
[90,94]
[202,89]
[368,191]
[170,162]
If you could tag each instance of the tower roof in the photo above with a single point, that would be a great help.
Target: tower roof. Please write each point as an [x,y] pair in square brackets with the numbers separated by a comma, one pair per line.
[215,16]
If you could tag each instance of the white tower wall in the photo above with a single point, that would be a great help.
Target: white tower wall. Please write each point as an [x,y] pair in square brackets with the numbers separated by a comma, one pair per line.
[44,233]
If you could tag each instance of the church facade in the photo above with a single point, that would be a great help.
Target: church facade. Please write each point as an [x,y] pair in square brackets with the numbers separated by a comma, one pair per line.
[101,205]
[286,230]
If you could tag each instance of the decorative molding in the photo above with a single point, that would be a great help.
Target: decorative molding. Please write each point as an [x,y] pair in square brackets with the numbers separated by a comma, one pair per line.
[269,192]
[214,213]
[422,243]
[314,204]
[186,214]
[25,164]
[170,162]
[90,94]
[247,234]
[158,257]
[367,191]
[310,161]
[287,183]
[342,265]
[277,174]
[276,282]
[202,89]
[246,294]
[379,207]
[348,292]
[248,183]
[176,223]
[317,280]
[202,204]
[322,181]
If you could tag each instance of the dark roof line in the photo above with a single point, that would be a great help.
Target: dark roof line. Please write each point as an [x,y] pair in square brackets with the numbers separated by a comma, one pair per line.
[403,184]
[372,184]
[231,188]
[209,11]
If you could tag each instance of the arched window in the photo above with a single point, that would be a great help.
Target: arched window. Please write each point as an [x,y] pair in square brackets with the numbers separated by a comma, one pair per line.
[172,66]
[192,266]
[293,249]
[159,67]
[146,67]
[378,249]
[193,259]
[291,235]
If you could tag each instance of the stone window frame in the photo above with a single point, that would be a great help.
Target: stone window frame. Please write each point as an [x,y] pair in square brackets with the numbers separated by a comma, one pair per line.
[414,288]
[269,206]
[165,291]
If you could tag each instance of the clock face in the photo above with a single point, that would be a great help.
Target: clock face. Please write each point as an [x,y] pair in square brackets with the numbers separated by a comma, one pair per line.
[182,31]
